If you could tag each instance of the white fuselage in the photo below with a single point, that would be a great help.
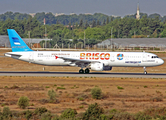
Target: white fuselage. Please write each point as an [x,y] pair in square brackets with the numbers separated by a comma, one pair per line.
[113,59]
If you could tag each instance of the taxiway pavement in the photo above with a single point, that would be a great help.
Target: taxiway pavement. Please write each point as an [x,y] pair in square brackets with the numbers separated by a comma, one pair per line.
[75,74]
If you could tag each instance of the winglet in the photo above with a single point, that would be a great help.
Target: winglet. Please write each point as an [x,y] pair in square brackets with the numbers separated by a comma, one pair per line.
[17,44]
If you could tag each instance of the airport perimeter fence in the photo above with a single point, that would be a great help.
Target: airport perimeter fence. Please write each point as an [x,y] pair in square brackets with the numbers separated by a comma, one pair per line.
[105,45]
[103,48]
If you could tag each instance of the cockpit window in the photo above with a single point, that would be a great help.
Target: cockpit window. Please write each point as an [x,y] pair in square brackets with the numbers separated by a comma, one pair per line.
[155,57]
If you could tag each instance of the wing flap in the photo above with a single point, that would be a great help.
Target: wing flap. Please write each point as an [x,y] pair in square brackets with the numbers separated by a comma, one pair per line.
[77,62]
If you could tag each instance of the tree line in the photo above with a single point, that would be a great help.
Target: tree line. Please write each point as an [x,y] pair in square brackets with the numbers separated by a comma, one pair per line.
[74,33]
[73,19]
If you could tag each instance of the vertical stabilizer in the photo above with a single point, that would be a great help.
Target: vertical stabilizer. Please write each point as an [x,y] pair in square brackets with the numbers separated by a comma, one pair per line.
[17,44]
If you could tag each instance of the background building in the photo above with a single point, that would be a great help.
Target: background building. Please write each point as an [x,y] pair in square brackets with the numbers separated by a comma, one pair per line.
[134,42]
[4,41]
[138,11]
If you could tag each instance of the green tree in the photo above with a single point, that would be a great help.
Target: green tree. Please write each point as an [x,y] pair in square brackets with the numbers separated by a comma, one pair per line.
[39,111]
[93,23]
[28,24]
[69,26]
[93,112]
[94,33]
[6,112]
[52,94]
[96,93]
[23,102]
[28,114]
[92,42]
[36,33]
[112,18]
[73,26]
[107,20]
[104,22]
[98,23]
[75,41]
[163,34]
[57,22]
[80,45]
[68,114]
[46,116]
[76,25]
[50,18]
[81,23]
[86,25]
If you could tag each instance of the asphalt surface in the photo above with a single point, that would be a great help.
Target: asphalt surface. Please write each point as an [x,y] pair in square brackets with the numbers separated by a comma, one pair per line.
[76,74]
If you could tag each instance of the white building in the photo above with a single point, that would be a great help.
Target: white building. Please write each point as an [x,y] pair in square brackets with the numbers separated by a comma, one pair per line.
[58,14]
[32,14]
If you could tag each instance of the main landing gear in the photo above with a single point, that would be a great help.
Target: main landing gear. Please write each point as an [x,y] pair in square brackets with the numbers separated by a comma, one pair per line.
[86,70]
[81,71]
[145,71]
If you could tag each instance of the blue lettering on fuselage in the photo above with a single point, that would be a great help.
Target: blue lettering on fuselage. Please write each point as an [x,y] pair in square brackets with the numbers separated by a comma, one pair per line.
[133,62]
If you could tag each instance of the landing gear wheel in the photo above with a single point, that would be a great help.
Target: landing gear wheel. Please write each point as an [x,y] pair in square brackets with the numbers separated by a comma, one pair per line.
[81,71]
[86,70]
[145,73]
[145,70]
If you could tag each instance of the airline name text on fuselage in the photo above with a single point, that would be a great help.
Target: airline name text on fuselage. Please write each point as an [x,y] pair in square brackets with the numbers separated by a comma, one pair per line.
[95,56]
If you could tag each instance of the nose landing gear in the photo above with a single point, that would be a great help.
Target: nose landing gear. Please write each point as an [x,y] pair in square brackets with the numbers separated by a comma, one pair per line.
[145,72]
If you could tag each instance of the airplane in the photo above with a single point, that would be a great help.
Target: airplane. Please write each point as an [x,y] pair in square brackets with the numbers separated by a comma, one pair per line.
[96,61]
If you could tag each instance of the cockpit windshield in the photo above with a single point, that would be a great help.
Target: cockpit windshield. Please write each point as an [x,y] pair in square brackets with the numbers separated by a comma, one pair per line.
[155,57]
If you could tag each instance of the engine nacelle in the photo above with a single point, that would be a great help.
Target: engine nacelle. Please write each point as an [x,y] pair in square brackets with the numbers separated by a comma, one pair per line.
[97,66]
[100,67]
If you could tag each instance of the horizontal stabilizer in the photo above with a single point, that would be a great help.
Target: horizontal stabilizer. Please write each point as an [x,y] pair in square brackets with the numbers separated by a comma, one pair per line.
[13,55]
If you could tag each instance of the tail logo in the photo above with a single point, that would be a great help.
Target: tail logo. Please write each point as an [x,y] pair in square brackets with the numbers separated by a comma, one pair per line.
[16,41]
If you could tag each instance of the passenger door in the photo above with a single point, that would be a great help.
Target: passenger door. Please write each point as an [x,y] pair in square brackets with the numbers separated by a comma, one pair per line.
[31,57]
[144,57]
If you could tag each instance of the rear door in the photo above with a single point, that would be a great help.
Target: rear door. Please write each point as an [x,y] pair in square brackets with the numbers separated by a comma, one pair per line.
[31,57]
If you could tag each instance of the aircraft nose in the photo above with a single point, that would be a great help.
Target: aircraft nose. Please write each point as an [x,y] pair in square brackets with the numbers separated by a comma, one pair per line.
[161,61]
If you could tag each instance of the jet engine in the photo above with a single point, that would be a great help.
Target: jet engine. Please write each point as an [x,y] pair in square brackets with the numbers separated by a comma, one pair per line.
[99,67]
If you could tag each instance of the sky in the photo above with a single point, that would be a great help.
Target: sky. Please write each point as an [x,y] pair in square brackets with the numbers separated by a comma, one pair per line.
[108,7]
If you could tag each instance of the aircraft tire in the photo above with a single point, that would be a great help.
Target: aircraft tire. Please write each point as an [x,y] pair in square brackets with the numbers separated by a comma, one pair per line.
[87,70]
[81,71]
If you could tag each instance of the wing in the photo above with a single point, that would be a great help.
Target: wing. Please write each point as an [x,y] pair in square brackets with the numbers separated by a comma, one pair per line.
[77,62]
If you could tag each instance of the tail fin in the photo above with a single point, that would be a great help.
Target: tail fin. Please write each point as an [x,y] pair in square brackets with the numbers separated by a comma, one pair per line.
[17,44]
